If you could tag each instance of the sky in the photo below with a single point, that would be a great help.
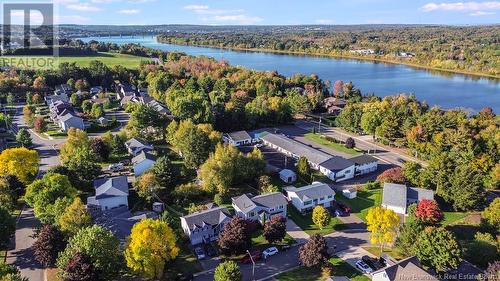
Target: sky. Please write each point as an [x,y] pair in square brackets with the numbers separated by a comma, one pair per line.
[273,12]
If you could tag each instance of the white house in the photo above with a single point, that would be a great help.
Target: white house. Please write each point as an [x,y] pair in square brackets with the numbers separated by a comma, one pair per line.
[408,268]
[109,193]
[69,120]
[398,197]
[135,146]
[288,176]
[205,226]
[350,193]
[237,138]
[364,164]
[307,197]
[337,168]
[260,207]
[143,162]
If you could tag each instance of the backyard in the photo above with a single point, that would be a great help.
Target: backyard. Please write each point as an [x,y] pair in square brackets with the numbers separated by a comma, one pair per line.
[340,147]
[364,201]
[305,222]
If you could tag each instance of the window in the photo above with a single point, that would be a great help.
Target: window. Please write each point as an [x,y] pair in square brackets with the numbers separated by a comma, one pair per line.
[251,214]
[330,196]
[321,198]
[307,202]
[271,210]
[280,207]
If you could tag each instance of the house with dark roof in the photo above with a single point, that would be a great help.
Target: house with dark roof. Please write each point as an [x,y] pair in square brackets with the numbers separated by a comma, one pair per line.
[307,197]
[205,226]
[261,207]
[110,193]
[398,197]
[337,168]
[406,269]
[125,90]
[237,138]
[136,145]
[364,164]
[143,162]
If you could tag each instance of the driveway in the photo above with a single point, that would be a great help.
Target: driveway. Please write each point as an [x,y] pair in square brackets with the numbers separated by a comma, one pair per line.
[353,254]
[296,232]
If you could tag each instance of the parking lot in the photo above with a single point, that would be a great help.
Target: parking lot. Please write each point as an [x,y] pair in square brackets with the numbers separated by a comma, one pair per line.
[273,157]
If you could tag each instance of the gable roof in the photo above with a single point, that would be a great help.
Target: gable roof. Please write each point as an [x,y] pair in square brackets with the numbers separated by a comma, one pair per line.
[313,191]
[337,163]
[136,142]
[67,117]
[143,156]
[363,159]
[287,173]
[398,194]
[239,136]
[111,187]
[295,147]
[247,203]
[212,216]
[420,193]
[409,267]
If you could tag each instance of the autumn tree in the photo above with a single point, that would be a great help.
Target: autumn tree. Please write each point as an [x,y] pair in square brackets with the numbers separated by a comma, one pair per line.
[303,168]
[23,137]
[392,175]
[150,246]
[428,212]
[315,252]
[97,110]
[228,271]
[147,186]
[40,125]
[29,115]
[7,227]
[320,216]
[266,186]
[235,239]
[275,229]
[490,217]
[49,243]
[100,148]
[383,225]
[437,248]
[338,88]
[20,162]
[100,245]
[75,217]
[80,268]
[492,273]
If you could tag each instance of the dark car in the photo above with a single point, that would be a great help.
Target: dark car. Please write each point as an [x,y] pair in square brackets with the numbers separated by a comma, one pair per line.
[256,255]
[372,262]
[285,248]
[343,207]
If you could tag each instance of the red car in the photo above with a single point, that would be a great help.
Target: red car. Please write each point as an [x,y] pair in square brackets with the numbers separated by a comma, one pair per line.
[344,208]
[256,255]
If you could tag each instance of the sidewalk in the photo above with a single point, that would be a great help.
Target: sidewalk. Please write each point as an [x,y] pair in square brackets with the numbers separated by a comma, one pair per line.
[296,232]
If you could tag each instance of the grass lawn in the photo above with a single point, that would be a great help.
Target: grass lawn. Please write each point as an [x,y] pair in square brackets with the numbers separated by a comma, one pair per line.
[317,138]
[110,59]
[389,251]
[259,242]
[364,201]
[340,268]
[451,217]
[185,263]
[305,222]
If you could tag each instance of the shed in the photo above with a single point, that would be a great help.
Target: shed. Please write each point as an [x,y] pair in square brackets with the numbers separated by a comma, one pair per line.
[288,176]
[102,121]
[350,193]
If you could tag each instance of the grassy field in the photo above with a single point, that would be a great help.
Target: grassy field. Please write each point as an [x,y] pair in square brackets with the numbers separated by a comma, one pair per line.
[364,201]
[110,59]
[340,268]
[305,222]
[317,138]
[452,217]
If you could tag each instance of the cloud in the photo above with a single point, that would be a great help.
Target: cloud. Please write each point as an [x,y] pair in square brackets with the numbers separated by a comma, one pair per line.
[218,16]
[462,6]
[238,19]
[206,10]
[129,11]
[83,7]
[71,19]
[481,13]
[324,21]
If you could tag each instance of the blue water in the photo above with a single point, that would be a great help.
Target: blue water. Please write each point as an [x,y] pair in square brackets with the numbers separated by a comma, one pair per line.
[436,88]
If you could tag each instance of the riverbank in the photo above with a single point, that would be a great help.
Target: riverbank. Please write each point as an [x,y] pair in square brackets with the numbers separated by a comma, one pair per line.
[371,59]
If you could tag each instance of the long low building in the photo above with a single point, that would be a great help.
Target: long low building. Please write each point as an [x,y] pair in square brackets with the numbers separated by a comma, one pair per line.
[335,168]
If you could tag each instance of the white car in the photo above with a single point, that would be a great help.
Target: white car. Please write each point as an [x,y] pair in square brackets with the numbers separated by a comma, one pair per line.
[269,252]
[116,167]
[361,265]
[259,145]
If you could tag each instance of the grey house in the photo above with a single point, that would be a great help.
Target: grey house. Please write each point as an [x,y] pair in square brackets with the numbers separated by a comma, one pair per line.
[69,120]
[260,207]
[135,146]
[110,193]
[205,226]
[398,197]
[237,138]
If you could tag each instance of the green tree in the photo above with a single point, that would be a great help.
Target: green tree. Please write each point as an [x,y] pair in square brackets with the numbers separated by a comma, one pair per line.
[482,250]
[75,217]
[350,117]
[7,227]
[466,189]
[490,217]
[437,248]
[320,216]
[100,245]
[303,168]
[87,106]
[408,234]
[97,110]
[23,137]
[163,170]
[412,171]
[228,271]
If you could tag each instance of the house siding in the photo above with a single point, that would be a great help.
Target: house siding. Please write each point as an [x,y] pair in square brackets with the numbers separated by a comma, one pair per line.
[299,205]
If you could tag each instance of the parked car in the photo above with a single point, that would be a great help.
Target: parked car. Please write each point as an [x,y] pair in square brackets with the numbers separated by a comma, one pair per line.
[256,255]
[285,248]
[343,207]
[372,262]
[259,145]
[200,254]
[269,252]
[361,265]
[116,167]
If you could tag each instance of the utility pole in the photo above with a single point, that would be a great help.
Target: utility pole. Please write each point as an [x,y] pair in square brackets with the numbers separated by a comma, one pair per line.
[253,265]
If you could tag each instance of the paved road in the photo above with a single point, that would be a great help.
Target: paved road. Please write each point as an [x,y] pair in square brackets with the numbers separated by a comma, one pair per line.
[22,254]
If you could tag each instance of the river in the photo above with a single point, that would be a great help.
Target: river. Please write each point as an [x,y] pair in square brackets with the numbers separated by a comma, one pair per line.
[446,90]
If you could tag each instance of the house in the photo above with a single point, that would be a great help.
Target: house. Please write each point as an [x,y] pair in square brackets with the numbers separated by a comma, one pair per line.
[307,197]
[350,193]
[288,176]
[69,120]
[110,193]
[103,121]
[96,90]
[143,162]
[205,226]
[406,269]
[158,107]
[125,90]
[57,108]
[336,168]
[334,105]
[63,89]
[135,146]
[102,101]
[261,207]
[237,138]
[398,197]
[62,96]
[364,164]
[126,100]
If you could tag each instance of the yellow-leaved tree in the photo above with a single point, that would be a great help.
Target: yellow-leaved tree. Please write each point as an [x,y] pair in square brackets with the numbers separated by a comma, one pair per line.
[383,225]
[320,216]
[75,217]
[20,162]
[151,244]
